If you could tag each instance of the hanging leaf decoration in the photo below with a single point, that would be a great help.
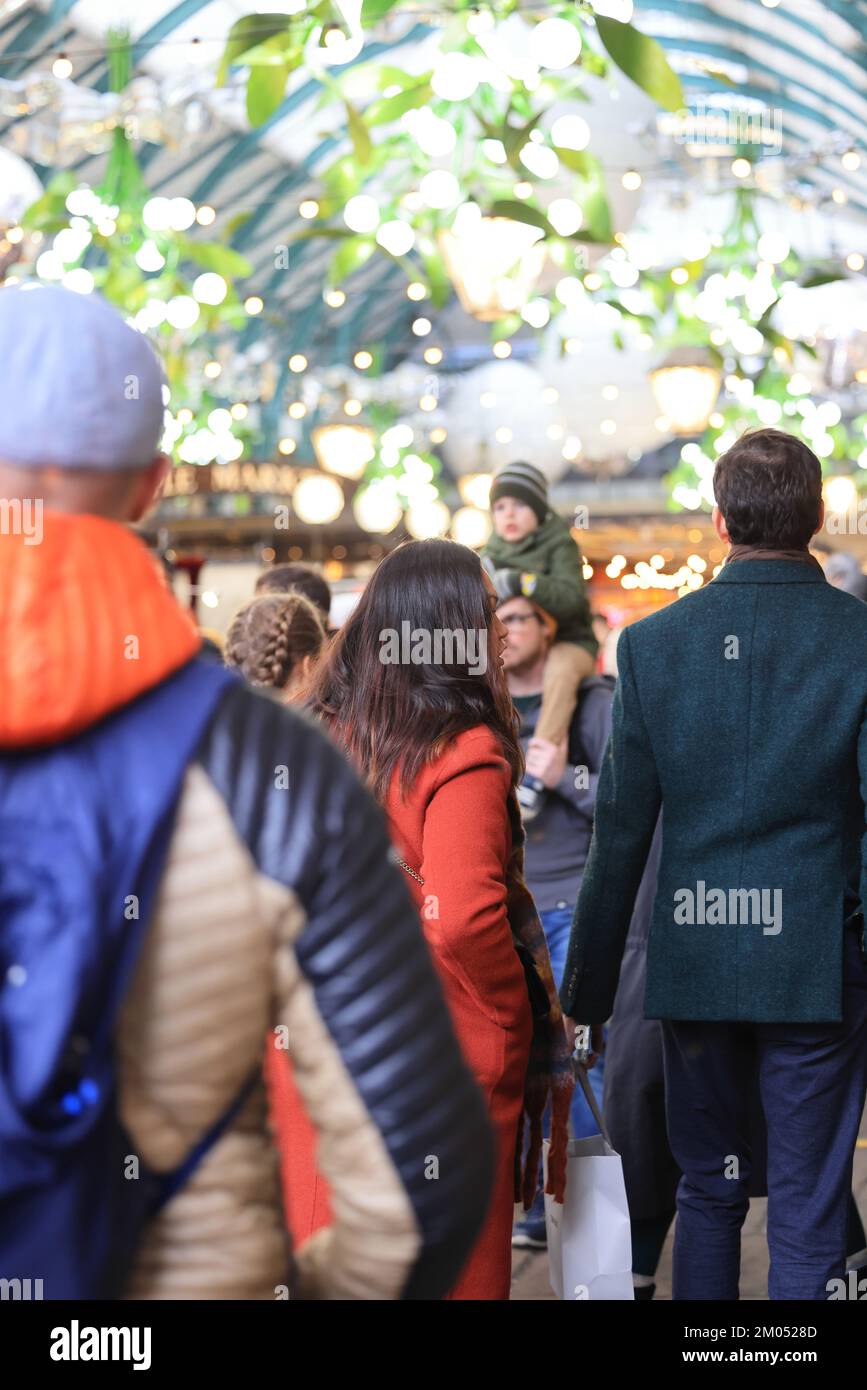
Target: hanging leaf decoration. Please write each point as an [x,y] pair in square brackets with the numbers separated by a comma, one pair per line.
[250,32]
[389,109]
[643,60]
[517,211]
[358,133]
[372,11]
[266,88]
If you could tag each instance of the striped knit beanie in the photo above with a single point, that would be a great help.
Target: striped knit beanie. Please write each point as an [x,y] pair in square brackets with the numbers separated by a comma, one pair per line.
[525,482]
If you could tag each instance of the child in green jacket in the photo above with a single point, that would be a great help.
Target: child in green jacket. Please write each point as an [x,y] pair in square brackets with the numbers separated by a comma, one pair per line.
[532,552]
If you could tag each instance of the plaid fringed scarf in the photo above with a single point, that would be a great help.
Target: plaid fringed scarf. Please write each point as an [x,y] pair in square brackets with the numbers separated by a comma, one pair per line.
[549,1073]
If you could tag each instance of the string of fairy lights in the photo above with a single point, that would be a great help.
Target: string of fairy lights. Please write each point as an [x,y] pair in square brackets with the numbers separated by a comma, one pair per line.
[319,498]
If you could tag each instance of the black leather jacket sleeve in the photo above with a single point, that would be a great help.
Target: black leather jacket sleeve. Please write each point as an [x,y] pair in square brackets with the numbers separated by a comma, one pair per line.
[310,826]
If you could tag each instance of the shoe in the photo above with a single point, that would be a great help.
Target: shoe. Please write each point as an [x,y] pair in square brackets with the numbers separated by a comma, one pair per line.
[644,1292]
[531,796]
[529,1234]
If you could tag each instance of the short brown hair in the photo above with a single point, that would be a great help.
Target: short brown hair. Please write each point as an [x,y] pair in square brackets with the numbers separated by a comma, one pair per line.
[768,487]
[296,579]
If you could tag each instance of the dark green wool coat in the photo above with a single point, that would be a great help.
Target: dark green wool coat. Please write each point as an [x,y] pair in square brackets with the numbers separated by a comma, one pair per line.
[741,713]
[546,566]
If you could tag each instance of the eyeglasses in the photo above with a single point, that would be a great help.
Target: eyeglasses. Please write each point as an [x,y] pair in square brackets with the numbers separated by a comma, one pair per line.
[514,619]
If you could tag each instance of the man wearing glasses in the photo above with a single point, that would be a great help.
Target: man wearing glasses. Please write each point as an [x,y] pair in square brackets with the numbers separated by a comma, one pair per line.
[558,838]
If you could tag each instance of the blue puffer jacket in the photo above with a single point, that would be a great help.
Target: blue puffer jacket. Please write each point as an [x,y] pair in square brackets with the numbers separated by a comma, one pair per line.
[235,833]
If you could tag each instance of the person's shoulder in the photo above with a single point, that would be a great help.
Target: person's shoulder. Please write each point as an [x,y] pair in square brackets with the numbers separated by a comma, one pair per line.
[595,701]
[250,721]
[555,528]
[849,606]
[596,690]
[681,612]
[479,742]
[479,746]
[843,619]
[282,780]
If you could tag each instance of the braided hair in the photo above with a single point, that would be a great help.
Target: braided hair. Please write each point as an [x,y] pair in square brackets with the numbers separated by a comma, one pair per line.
[270,635]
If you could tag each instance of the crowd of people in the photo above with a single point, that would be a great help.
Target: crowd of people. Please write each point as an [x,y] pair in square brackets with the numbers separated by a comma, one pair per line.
[297,933]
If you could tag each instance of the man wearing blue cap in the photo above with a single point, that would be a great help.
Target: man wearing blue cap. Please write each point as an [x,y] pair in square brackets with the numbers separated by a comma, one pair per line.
[187,869]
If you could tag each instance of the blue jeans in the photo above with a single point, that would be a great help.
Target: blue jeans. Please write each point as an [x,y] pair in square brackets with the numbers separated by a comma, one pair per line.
[813,1078]
[557,924]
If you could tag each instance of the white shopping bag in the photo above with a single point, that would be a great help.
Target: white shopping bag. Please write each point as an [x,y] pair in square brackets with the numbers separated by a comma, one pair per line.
[589,1240]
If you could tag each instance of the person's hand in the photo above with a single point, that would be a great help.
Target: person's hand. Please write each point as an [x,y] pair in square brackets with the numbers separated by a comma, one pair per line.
[597,1040]
[546,760]
[504,581]
[597,1044]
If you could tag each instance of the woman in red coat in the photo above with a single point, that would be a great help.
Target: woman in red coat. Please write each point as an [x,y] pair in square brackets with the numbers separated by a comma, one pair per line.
[452,830]
[414,689]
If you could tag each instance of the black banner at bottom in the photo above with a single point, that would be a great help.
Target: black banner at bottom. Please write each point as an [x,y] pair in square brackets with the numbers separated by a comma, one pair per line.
[160,1339]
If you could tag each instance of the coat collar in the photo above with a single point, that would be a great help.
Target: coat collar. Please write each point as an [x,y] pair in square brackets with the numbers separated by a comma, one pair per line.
[770,572]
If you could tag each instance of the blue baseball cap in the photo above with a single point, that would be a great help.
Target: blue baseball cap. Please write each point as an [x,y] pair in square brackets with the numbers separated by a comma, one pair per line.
[79,388]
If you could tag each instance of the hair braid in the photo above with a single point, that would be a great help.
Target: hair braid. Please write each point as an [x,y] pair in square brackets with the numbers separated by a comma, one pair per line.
[270,635]
[275,666]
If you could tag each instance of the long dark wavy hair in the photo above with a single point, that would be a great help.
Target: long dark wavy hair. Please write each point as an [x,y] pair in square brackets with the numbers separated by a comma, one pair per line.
[397,717]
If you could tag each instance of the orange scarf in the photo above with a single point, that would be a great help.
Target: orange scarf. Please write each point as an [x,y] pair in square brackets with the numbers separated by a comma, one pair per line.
[87,623]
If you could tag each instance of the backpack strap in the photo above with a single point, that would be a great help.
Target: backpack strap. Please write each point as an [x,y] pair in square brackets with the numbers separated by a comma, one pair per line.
[199,686]
[168,1184]
[576,753]
[185,703]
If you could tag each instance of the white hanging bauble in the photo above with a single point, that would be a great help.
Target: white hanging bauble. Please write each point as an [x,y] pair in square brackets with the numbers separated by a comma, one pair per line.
[606,400]
[19,187]
[496,414]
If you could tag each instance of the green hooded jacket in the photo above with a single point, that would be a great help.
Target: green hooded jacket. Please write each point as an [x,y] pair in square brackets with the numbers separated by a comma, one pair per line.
[546,566]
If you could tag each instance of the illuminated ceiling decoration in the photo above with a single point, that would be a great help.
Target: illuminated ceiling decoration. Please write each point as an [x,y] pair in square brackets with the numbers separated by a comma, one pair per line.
[804,63]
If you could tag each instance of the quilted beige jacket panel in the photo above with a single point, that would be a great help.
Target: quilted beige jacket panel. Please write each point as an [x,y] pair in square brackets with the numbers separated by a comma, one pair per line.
[217,973]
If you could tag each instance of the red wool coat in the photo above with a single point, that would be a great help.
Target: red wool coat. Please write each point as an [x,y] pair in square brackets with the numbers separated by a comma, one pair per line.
[453,830]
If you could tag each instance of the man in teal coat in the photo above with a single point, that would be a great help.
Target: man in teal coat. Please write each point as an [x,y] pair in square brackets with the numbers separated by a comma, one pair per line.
[741,714]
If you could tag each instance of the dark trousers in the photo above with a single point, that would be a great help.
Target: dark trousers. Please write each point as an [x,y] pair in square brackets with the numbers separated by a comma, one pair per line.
[812,1078]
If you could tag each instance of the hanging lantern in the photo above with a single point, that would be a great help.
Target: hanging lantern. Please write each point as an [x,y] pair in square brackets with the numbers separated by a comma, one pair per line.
[471,526]
[427,520]
[344,449]
[840,494]
[317,499]
[686,386]
[493,263]
[475,489]
[376,507]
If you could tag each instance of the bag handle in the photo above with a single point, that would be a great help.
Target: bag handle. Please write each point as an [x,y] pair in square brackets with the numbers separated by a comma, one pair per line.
[581,1073]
